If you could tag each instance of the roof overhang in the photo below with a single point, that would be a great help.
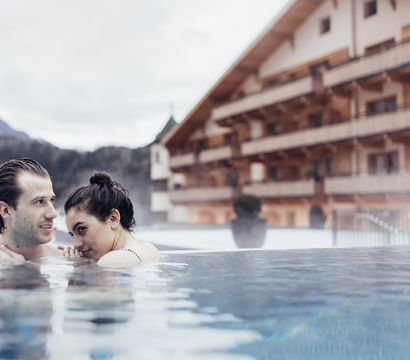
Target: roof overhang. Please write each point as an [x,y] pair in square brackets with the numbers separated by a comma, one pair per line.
[279,30]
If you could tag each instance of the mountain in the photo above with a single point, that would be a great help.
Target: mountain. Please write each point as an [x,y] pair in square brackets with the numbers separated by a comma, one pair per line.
[70,168]
[6,131]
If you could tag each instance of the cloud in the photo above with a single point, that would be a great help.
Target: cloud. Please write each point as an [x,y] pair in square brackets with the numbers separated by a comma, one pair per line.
[111,68]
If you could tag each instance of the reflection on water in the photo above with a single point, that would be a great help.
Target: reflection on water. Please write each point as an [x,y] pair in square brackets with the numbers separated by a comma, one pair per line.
[332,303]
[25,312]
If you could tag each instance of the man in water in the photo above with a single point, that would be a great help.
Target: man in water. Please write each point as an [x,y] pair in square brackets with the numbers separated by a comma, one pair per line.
[26,211]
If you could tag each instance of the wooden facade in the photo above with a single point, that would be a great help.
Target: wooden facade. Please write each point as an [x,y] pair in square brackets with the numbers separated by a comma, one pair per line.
[323,128]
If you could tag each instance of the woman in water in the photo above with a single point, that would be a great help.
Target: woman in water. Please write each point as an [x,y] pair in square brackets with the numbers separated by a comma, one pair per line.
[100,217]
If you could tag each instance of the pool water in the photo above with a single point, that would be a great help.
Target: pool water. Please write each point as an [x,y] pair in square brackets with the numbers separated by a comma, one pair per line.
[267,304]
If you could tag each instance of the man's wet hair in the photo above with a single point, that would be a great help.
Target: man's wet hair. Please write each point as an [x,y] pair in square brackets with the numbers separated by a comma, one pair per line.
[9,189]
[100,197]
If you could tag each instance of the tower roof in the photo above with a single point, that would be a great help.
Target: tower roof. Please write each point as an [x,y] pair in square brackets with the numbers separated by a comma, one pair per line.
[168,126]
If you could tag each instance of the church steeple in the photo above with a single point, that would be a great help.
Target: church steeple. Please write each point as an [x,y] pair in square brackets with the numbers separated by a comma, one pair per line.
[168,126]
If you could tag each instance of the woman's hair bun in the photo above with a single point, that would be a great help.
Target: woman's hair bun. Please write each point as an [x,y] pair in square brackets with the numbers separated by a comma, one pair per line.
[101,178]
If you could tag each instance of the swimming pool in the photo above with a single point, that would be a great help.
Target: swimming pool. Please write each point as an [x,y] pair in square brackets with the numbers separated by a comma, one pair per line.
[266,304]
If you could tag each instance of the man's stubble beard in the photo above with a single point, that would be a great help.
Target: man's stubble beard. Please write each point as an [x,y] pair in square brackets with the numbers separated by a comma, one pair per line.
[24,234]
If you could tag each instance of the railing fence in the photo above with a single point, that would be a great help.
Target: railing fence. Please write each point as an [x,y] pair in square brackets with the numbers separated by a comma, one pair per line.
[370,227]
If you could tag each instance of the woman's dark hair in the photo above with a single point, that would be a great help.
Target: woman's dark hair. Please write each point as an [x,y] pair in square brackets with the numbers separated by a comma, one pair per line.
[10,190]
[100,197]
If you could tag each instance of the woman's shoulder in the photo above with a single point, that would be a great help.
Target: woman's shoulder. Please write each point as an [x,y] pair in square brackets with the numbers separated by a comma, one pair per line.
[140,253]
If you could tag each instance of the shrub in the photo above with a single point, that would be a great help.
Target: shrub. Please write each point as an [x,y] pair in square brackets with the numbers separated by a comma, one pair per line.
[247,206]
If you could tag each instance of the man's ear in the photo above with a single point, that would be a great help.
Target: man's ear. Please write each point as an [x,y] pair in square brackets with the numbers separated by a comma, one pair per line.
[114,218]
[4,209]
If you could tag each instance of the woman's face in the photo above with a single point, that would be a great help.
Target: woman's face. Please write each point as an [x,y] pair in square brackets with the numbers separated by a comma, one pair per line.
[92,237]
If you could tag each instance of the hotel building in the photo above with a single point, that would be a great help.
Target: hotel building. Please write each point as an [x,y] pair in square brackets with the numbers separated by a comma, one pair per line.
[313,117]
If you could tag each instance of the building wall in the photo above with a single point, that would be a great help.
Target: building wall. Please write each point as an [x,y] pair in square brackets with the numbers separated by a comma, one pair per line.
[160,173]
[366,151]
[286,215]
[179,214]
[389,89]
[407,157]
[159,162]
[406,93]
[342,162]
[160,201]
[208,215]
[250,85]
[386,24]
[349,158]
[309,44]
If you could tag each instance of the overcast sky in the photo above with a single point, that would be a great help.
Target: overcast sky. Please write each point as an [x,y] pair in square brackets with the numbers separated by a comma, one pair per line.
[88,73]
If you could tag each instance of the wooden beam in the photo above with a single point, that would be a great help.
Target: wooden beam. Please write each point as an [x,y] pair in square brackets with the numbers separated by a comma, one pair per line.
[281,108]
[400,77]
[388,141]
[375,87]
[225,122]
[263,112]
[332,148]
[306,152]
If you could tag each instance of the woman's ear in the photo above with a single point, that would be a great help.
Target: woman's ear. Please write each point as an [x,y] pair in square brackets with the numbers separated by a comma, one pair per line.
[114,218]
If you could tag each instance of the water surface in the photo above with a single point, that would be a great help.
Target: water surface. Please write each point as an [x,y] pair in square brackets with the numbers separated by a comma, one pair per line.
[295,304]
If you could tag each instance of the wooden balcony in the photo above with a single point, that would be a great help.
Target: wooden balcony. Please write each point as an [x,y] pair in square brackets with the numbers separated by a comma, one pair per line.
[386,60]
[182,160]
[201,194]
[264,98]
[220,153]
[368,184]
[377,124]
[281,189]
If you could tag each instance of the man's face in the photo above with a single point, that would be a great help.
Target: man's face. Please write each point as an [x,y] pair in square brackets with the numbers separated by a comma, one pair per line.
[32,220]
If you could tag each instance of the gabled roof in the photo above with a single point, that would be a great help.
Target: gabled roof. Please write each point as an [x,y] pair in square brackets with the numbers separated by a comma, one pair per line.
[279,30]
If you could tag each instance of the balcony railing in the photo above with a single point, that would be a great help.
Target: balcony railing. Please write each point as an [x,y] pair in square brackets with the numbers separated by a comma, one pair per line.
[264,98]
[369,65]
[368,184]
[377,124]
[281,189]
[215,154]
[201,194]
[182,160]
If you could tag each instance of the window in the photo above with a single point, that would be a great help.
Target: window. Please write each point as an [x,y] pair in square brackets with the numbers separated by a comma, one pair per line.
[315,120]
[160,185]
[229,139]
[273,82]
[274,128]
[323,168]
[383,163]
[231,178]
[381,106]
[325,25]
[216,141]
[273,173]
[157,157]
[370,8]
